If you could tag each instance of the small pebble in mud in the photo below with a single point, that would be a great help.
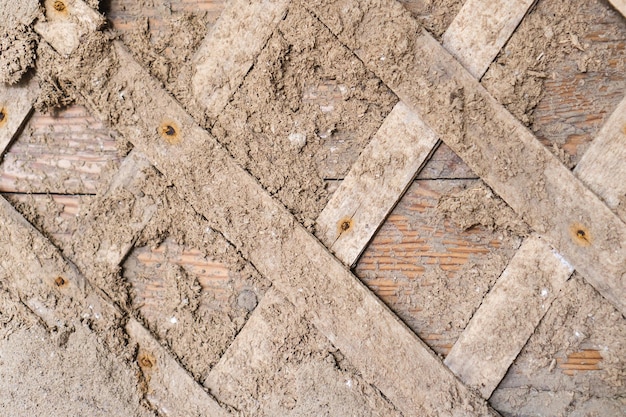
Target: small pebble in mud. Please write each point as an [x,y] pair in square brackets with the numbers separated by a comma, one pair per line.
[298,140]
[247,299]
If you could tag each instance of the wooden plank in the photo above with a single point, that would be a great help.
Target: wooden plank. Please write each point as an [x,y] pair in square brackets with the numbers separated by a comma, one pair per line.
[508,316]
[317,283]
[16,105]
[554,203]
[620,5]
[40,274]
[481,29]
[602,167]
[244,26]
[113,252]
[404,143]
[95,243]
[384,170]
[66,153]
[112,226]
[280,365]
[172,391]
[514,307]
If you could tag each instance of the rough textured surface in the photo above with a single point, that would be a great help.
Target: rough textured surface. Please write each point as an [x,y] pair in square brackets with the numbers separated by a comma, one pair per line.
[474,126]
[578,321]
[554,32]
[18,40]
[478,205]
[281,128]
[64,374]
[170,293]
[280,365]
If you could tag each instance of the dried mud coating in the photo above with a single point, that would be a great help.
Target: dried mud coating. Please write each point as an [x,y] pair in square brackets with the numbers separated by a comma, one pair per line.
[579,319]
[167,53]
[553,33]
[183,302]
[18,41]
[479,205]
[434,15]
[290,369]
[65,375]
[63,369]
[305,95]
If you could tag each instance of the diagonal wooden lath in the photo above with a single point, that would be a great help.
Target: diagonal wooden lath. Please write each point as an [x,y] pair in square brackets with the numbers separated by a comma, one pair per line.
[489,139]
[282,249]
[534,277]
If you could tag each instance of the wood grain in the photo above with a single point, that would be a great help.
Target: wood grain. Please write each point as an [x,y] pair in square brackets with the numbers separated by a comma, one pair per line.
[298,265]
[404,143]
[16,105]
[481,29]
[508,316]
[418,256]
[571,211]
[376,181]
[65,153]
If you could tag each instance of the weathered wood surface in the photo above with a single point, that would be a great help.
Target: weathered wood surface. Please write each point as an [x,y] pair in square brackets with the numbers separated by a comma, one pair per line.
[602,167]
[520,298]
[66,153]
[244,27]
[224,193]
[172,391]
[42,275]
[479,31]
[473,130]
[404,143]
[619,5]
[508,316]
[16,105]
[418,256]
[384,170]
[557,94]
[93,244]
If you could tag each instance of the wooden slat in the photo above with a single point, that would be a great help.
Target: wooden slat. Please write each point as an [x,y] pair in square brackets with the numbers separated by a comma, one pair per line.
[602,167]
[171,390]
[404,143]
[16,105]
[109,231]
[508,316]
[554,203]
[319,286]
[620,5]
[168,387]
[267,373]
[38,278]
[244,27]
[93,243]
[481,29]
[514,307]
[376,181]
